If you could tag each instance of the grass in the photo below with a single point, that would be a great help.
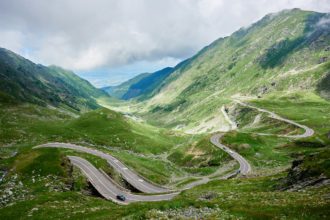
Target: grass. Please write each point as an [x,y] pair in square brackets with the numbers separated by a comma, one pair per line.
[274,54]
[28,123]
[157,171]
[45,162]
[201,157]
[254,198]
[58,193]
[96,161]
[185,182]
[262,151]
[306,108]
[137,144]
[248,122]
[248,198]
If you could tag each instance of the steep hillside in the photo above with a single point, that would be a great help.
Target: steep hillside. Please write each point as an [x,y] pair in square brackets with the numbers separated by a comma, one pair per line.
[287,51]
[119,90]
[24,81]
[141,86]
[147,84]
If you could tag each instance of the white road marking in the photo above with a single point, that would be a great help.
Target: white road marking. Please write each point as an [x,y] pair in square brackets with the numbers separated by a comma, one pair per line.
[106,190]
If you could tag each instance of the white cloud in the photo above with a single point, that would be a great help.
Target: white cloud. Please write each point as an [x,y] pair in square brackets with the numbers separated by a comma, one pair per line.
[87,34]
[324,22]
[11,39]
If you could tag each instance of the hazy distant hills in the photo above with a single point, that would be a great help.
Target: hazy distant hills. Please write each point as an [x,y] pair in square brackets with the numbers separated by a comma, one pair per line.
[25,81]
[144,85]
[120,90]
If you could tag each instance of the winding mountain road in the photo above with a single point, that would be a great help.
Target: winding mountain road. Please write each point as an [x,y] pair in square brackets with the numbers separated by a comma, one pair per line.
[244,166]
[130,176]
[108,189]
[308,131]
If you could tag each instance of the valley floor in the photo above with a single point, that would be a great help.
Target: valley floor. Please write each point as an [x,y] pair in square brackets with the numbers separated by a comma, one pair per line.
[289,178]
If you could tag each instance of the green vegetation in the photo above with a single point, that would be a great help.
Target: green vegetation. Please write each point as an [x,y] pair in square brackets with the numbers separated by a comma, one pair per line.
[279,59]
[138,145]
[99,127]
[254,198]
[286,52]
[252,121]
[24,81]
[306,108]
[264,152]
[323,86]
[202,157]
[156,170]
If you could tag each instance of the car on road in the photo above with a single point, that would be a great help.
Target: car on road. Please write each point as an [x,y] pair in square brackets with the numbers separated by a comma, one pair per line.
[121,197]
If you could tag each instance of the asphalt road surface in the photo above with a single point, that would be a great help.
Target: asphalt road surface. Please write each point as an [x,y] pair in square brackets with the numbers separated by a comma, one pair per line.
[108,189]
[131,177]
[244,166]
[308,131]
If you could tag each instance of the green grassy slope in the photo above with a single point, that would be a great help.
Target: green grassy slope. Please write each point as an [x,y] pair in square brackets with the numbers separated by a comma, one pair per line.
[41,183]
[24,81]
[54,197]
[34,124]
[278,58]
[287,51]
[141,146]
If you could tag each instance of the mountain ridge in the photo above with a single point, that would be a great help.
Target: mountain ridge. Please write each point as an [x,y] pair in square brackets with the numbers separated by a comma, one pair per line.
[25,81]
[284,51]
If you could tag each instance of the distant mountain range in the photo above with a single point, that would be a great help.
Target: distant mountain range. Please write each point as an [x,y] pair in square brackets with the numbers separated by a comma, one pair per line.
[283,52]
[144,85]
[24,81]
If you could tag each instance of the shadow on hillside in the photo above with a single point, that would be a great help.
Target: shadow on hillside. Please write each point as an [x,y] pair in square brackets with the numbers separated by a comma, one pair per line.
[311,37]
[323,87]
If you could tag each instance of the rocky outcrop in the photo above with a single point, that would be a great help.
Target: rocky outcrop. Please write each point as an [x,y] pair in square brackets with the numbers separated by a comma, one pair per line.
[190,213]
[307,171]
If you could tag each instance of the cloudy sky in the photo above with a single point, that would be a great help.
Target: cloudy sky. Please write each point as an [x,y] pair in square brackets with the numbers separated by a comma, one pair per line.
[108,41]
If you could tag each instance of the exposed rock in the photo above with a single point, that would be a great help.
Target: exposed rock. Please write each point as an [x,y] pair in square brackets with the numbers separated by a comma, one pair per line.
[302,174]
[263,90]
[322,60]
[189,213]
[245,146]
[208,196]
